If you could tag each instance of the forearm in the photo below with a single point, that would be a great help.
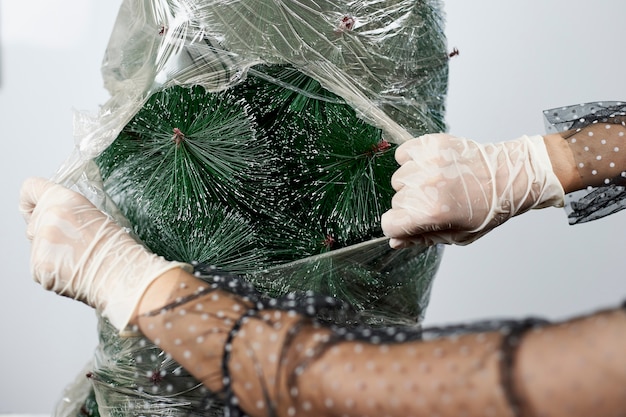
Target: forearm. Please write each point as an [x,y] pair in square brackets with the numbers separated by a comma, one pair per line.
[283,362]
[590,156]
[444,377]
[563,162]
[577,368]
[206,328]
[184,317]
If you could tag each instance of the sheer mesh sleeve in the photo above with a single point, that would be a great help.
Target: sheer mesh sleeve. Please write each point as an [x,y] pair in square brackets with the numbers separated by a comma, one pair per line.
[273,357]
[595,133]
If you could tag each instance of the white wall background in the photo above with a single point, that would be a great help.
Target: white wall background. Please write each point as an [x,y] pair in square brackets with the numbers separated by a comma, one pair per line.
[516,59]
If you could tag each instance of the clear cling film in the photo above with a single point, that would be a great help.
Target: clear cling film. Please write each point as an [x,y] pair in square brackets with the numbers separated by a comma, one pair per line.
[387,59]
[258,136]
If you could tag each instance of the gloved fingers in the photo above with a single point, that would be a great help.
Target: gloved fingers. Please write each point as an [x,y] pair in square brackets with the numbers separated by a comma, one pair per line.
[447,237]
[418,148]
[429,201]
[426,239]
[58,215]
[45,256]
[399,243]
[453,190]
[406,223]
[409,173]
[430,216]
[406,151]
[450,237]
[31,192]
[421,178]
[429,161]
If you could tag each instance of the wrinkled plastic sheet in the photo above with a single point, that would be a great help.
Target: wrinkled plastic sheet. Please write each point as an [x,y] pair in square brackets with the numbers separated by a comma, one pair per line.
[385,58]
[133,377]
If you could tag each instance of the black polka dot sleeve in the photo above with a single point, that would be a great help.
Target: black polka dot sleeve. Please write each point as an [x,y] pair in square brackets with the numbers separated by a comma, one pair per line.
[595,133]
[262,356]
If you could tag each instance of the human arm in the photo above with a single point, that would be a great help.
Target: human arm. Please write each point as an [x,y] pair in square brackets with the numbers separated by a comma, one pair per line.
[563,163]
[277,357]
[79,252]
[575,368]
[454,190]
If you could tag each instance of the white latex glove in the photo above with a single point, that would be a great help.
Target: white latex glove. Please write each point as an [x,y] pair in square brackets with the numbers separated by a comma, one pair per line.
[453,190]
[79,252]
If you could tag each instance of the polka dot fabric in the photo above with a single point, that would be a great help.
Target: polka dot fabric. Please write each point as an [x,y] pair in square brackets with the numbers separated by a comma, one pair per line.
[595,133]
[271,357]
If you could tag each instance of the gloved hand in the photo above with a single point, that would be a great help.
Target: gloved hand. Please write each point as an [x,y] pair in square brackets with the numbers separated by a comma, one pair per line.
[79,252]
[453,190]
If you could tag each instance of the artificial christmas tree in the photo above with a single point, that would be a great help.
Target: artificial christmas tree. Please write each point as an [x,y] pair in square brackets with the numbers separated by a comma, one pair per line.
[259,137]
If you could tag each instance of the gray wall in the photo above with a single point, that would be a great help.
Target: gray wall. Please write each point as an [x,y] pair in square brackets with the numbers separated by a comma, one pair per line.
[516,59]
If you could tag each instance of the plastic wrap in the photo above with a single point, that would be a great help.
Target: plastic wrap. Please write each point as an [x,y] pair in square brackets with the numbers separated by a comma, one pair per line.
[133,377]
[308,97]
[387,59]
